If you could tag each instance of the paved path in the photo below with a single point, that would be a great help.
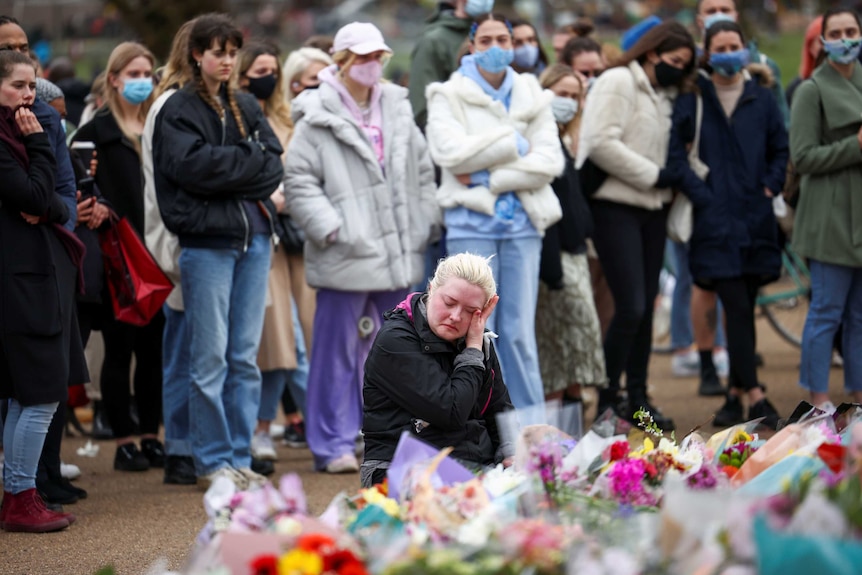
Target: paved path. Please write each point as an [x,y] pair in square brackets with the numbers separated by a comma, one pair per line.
[131,519]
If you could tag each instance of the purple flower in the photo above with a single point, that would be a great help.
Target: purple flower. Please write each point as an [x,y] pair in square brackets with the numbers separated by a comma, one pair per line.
[290,488]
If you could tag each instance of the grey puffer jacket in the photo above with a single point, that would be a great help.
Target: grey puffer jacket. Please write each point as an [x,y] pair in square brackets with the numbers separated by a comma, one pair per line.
[334,183]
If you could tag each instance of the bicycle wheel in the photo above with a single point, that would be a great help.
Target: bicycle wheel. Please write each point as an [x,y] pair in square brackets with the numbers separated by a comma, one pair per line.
[785,302]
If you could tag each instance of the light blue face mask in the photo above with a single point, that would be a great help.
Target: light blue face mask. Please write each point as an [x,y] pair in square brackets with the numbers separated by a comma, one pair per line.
[729,64]
[137,90]
[526,56]
[842,51]
[717,17]
[494,59]
[475,8]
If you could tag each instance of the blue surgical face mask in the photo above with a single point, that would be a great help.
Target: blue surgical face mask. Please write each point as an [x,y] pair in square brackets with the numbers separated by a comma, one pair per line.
[494,59]
[717,17]
[526,56]
[475,8]
[137,90]
[842,51]
[729,64]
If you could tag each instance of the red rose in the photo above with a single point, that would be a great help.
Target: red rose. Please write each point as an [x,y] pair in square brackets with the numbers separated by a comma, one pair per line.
[619,450]
[265,565]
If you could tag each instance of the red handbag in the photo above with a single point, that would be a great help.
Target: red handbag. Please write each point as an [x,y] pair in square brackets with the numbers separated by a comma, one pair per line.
[137,284]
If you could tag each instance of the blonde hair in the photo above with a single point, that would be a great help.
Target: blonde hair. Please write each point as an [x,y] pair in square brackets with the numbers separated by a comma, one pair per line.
[471,268]
[177,72]
[550,76]
[277,108]
[296,63]
[121,57]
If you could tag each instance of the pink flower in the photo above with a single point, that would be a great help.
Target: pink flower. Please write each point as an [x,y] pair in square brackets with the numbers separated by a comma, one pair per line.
[626,478]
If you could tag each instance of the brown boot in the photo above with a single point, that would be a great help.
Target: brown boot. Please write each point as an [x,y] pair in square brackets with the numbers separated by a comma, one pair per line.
[27,513]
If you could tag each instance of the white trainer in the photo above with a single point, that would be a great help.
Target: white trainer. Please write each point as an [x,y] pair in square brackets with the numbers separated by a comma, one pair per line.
[685,364]
[234,476]
[262,447]
[70,471]
[253,480]
[346,463]
[721,361]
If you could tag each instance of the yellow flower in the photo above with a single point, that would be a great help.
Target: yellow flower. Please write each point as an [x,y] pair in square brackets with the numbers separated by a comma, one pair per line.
[740,437]
[299,562]
[648,446]
[387,504]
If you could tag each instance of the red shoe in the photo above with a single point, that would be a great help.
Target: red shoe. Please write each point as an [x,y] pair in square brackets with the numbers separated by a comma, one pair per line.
[27,513]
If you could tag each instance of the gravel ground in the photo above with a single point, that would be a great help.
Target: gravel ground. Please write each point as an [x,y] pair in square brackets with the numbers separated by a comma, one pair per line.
[131,520]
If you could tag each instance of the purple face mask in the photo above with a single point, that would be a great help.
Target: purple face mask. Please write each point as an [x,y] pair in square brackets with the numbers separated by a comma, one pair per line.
[366,74]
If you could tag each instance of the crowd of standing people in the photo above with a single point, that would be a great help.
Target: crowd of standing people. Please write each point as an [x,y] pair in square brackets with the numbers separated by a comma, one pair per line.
[301,208]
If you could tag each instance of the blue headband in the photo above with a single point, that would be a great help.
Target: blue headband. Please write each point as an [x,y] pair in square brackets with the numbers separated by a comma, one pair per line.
[475,26]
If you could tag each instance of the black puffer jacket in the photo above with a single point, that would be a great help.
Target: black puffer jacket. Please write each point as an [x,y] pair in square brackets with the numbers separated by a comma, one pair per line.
[204,169]
[410,375]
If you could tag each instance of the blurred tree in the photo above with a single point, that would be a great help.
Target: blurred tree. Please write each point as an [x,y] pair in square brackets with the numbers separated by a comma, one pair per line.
[156,21]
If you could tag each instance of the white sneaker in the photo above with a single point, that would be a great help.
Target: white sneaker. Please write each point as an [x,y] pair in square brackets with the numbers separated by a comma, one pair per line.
[234,476]
[262,447]
[253,480]
[685,364]
[70,471]
[827,406]
[721,361]
[346,463]
[276,430]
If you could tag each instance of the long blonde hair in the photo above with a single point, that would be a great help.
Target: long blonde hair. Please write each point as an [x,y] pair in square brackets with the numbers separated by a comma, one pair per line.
[177,72]
[569,132]
[121,57]
[277,108]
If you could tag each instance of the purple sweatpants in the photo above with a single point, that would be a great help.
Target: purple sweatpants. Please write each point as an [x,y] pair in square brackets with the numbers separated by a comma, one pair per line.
[335,376]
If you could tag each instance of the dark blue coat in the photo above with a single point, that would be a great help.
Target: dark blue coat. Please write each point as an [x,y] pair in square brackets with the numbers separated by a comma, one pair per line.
[735,232]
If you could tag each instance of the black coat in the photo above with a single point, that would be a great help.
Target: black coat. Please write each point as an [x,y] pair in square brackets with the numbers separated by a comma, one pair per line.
[203,168]
[409,374]
[37,281]
[571,232]
[119,176]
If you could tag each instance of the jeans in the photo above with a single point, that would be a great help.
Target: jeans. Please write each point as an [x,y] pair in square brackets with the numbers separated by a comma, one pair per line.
[337,369]
[836,299]
[516,270]
[176,386]
[273,382]
[681,331]
[24,431]
[224,292]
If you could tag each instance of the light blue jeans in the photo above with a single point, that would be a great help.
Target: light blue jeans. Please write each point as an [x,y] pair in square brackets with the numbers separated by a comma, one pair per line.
[681,330]
[516,271]
[836,297]
[175,382]
[297,379]
[24,431]
[224,293]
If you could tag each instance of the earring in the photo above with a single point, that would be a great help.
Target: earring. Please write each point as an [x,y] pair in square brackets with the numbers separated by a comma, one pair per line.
[199,63]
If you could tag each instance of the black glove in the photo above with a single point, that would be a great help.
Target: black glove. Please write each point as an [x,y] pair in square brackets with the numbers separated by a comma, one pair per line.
[669,178]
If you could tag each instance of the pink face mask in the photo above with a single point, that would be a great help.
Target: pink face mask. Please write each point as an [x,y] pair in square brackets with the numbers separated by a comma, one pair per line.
[366,74]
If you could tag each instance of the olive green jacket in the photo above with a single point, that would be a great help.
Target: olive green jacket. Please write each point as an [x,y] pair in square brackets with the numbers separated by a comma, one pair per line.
[824,121]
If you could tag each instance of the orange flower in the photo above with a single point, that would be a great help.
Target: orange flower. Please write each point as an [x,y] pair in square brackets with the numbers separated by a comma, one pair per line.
[316,543]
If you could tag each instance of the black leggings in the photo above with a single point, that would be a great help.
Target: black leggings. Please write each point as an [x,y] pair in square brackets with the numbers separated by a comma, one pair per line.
[121,341]
[738,296]
[630,244]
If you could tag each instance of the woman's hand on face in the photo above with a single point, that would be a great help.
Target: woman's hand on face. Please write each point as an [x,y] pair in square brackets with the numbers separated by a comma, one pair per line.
[27,122]
[476,331]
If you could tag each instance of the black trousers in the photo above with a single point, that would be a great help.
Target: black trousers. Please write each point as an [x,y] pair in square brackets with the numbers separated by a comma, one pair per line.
[121,341]
[630,244]
[738,296]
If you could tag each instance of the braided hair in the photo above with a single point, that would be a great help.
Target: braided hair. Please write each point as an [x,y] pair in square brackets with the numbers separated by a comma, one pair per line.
[207,30]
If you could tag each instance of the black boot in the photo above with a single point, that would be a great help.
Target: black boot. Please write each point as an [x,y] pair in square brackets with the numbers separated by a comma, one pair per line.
[730,413]
[610,399]
[765,410]
[154,451]
[180,470]
[710,385]
[101,427]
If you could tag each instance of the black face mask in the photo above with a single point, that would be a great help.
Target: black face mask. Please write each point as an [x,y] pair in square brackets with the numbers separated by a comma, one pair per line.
[263,87]
[667,75]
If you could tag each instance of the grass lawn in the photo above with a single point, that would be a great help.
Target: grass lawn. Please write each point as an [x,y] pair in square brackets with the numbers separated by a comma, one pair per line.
[785,50]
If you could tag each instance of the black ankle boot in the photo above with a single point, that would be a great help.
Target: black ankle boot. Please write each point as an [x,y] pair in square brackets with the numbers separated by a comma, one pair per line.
[101,427]
[610,399]
[710,385]
[730,413]
[180,470]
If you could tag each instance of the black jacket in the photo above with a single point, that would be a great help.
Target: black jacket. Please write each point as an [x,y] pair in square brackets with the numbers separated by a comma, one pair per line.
[410,375]
[37,280]
[571,232]
[119,175]
[204,168]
